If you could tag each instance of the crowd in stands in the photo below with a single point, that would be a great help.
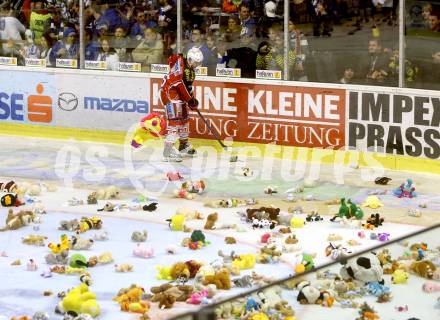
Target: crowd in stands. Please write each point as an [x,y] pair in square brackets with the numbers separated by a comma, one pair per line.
[245,34]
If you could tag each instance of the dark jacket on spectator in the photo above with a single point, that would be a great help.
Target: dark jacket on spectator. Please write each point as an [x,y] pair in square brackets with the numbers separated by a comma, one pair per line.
[245,58]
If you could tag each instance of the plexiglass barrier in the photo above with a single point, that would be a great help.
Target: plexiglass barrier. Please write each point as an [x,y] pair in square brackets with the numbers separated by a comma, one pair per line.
[341,41]
[398,279]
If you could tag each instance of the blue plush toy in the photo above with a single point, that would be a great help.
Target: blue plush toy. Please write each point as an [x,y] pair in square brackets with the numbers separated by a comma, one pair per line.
[252,305]
[406,190]
[376,289]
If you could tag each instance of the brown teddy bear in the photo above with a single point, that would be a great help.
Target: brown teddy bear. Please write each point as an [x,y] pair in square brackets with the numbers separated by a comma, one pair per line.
[291,239]
[424,268]
[186,270]
[166,301]
[389,265]
[179,293]
[230,240]
[180,270]
[285,230]
[221,279]
[273,213]
[193,267]
[16,221]
[210,221]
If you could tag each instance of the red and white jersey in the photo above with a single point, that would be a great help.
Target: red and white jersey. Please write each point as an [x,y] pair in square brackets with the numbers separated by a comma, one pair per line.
[177,84]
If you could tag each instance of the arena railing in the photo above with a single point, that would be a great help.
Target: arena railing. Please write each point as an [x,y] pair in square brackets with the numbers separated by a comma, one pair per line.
[417,298]
[390,44]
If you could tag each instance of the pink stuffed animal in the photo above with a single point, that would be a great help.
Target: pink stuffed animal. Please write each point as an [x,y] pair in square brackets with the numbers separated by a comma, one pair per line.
[431,287]
[174,176]
[197,297]
[143,252]
[265,238]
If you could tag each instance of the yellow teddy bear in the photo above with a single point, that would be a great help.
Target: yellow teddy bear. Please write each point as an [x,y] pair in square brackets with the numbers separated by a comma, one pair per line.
[81,300]
[164,273]
[59,247]
[244,261]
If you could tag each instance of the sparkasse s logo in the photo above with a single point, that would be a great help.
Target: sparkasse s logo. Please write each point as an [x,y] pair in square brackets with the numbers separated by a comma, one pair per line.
[39,107]
[119,105]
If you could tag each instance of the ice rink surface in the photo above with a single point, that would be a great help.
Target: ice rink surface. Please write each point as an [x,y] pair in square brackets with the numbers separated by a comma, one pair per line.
[77,168]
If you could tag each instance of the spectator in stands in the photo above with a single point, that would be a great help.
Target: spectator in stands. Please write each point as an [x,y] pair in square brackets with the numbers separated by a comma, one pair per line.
[11,30]
[141,24]
[243,57]
[233,30]
[56,25]
[348,75]
[30,49]
[92,47]
[299,44]
[167,19]
[212,55]
[102,29]
[269,18]
[276,55]
[264,56]
[149,51]
[247,23]
[110,17]
[411,71]
[197,41]
[46,43]
[122,45]
[108,54]
[67,48]
[374,67]
[170,45]
[40,19]
[321,25]
[71,12]
[426,13]
[430,71]
[270,10]
[434,22]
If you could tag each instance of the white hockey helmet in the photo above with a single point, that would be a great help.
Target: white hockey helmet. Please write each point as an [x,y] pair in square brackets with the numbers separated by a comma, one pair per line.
[195,57]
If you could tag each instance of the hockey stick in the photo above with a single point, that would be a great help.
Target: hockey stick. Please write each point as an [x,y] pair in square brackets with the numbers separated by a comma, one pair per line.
[217,137]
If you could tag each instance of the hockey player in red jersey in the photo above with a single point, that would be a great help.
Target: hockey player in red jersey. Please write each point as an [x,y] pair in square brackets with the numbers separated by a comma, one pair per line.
[176,94]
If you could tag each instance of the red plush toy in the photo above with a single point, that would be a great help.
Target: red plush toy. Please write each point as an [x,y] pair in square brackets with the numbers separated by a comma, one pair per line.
[265,238]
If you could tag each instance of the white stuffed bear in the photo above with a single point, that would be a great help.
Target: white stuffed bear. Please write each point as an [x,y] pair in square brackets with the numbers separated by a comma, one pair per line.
[108,193]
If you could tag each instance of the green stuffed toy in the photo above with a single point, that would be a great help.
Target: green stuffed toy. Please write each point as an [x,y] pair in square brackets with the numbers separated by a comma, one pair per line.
[348,210]
[78,261]
[355,211]
[197,236]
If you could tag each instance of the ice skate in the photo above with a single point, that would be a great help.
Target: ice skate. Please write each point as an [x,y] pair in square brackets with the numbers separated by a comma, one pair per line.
[187,150]
[170,154]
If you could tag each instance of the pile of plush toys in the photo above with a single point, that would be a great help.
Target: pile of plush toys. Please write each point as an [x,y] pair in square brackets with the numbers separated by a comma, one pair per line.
[198,282]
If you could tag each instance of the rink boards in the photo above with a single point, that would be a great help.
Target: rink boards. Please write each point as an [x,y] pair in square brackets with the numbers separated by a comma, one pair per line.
[311,121]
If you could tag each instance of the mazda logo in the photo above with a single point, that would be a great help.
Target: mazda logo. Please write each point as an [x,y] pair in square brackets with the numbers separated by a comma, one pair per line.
[67,101]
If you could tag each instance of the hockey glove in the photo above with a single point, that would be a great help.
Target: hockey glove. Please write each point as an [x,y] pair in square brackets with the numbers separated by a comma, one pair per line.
[193,104]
